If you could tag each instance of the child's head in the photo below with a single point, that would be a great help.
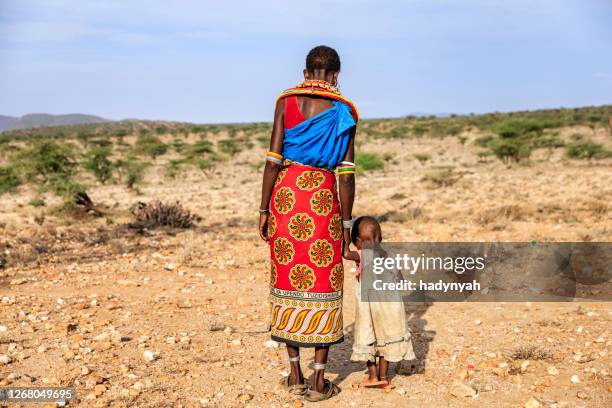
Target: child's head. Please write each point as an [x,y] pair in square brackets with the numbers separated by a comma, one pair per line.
[322,63]
[366,230]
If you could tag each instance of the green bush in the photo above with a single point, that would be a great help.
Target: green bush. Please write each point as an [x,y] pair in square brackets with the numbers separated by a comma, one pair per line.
[46,160]
[551,141]
[422,157]
[369,161]
[101,142]
[510,149]
[133,170]
[9,179]
[516,127]
[587,150]
[97,161]
[484,141]
[150,145]
[202,146]
[37,202]
[229,146]
[173,168]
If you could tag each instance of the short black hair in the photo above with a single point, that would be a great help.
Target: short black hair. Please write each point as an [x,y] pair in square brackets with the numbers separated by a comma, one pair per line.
[323,57]
[368,222]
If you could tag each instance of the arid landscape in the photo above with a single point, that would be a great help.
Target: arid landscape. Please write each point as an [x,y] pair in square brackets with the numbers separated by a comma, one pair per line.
[148,305]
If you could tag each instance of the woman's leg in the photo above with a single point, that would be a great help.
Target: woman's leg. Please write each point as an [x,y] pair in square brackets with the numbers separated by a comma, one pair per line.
[318,381]
[296,376]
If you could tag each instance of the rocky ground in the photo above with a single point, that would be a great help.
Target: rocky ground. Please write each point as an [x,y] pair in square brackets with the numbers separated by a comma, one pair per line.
[178,318]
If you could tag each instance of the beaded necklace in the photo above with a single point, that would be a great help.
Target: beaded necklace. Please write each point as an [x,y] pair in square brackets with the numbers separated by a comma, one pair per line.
[317,83]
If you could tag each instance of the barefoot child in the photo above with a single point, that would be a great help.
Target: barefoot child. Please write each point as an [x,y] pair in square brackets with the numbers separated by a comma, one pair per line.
[380,321]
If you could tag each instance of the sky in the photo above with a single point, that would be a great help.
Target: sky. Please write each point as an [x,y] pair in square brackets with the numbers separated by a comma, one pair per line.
[226,61]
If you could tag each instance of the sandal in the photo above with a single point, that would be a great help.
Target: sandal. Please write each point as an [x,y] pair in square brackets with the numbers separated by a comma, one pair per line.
[387,386]
[295,389]
[315,396]
[372,384]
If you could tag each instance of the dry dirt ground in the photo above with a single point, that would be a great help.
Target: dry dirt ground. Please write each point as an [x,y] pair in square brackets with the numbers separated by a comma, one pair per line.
[82,300]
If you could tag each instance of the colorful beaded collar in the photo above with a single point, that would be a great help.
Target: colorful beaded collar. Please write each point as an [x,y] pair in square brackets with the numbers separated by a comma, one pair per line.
[320,88]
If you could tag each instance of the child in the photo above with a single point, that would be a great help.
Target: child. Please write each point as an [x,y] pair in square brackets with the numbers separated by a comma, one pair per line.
[380,320]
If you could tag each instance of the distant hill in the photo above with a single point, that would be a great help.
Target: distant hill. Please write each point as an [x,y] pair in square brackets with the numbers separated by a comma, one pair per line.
[42,119]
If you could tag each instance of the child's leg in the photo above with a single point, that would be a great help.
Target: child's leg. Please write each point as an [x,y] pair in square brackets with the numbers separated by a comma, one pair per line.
[296,376]
[318,380]
[383,374]
[373,375]
[383,368]
[372,381]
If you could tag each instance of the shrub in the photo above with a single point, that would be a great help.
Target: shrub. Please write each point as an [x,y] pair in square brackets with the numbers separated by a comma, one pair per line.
[515,127]
[133,169]
[47,160]
[202,146]
[441,177]
[552,141]
[422,157]
[9,179]
[173,167]
[150,145]
[510,149]
[587,150]
[158,214]
[369,161]
[101,142]
[161,130]
[98,163]
[37,202]
[229,146]
[484,141]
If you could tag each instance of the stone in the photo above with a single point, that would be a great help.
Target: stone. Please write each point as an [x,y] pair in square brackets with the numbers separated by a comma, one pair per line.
[532,403]
[271,344]
[245,397]
[150,355]
[5,359]
[582,395]
[552,370]
[575,379]
[460,388]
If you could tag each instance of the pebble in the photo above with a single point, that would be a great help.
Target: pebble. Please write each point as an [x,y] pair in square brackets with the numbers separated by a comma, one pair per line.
[271,344]
[460,388]
[5,359]
[552,370]
[532,403]
[245,397]
[169,266]
[575,379]
[150,355]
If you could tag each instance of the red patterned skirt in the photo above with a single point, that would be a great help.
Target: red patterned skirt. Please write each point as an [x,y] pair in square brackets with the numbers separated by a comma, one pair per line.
[307,275]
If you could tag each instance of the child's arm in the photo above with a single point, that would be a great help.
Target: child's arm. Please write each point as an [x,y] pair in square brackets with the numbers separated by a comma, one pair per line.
[352,256]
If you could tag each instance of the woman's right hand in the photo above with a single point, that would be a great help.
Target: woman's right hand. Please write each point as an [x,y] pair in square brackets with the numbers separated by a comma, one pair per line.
[263,225]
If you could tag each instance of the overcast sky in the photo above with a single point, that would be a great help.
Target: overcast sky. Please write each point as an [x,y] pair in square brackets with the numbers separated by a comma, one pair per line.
[225,61]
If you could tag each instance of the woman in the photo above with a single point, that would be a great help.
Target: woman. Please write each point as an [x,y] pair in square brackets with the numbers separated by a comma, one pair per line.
[307,226]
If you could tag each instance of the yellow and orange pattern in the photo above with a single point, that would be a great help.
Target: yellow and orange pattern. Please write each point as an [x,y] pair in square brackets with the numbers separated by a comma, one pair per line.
[305,231]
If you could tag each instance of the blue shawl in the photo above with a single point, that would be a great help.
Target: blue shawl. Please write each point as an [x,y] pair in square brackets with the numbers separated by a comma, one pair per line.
[322,140]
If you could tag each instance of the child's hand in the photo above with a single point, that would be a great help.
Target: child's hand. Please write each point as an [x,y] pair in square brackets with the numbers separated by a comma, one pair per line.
[352,256]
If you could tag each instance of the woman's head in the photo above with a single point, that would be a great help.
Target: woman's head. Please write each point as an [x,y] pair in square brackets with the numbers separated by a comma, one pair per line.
[322,63]
[366,230]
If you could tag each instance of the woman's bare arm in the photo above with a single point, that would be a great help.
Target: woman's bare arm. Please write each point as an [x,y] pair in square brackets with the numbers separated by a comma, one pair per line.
[347,193]
[271,169]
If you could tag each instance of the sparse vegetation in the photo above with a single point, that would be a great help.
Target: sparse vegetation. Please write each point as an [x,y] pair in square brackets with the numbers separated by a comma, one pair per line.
[422,157]
[587,150]
[9,179]
[369,161]
[158,214]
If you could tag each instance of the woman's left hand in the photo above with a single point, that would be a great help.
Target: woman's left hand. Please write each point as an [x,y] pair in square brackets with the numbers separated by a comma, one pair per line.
[263,225]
